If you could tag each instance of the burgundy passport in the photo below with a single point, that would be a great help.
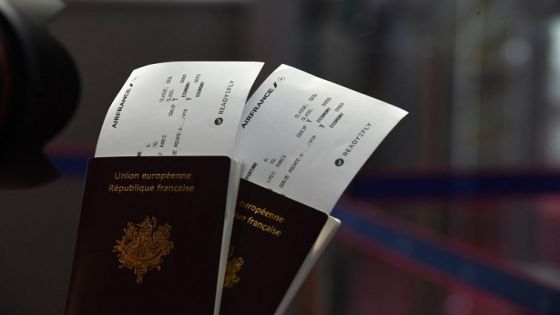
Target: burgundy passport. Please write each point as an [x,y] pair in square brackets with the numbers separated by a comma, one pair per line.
[272,235]
[150,236]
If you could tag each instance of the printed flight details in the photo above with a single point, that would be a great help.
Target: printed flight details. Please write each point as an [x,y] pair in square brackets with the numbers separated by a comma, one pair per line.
[164,108]
[306,138]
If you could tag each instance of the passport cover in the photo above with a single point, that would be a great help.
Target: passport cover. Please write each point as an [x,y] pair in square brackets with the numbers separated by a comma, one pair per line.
[150,236]
[272,236]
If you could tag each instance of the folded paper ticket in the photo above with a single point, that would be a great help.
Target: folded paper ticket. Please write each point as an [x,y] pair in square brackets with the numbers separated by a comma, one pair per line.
[306,138]
[178,108]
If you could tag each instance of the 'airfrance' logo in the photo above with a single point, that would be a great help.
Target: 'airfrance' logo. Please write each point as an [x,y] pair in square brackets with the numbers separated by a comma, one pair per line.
[121,105]
[256,108]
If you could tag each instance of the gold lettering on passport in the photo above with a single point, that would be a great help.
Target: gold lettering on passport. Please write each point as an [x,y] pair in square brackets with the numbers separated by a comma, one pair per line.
[255,221]
[233,268]
[143,246]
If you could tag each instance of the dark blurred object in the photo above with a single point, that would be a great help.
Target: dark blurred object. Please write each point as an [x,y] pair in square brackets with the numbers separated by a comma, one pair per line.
[39,89]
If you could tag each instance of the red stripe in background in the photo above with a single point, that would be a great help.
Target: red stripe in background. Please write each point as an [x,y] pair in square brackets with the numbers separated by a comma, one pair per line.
[371,212]
[377,248]
[74,149]
[365,246]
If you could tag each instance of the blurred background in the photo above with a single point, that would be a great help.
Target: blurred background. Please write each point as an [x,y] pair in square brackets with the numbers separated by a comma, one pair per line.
[456,213]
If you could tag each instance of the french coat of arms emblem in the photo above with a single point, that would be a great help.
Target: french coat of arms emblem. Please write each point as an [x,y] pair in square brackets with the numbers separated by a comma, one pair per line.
[143,246]
[233,267]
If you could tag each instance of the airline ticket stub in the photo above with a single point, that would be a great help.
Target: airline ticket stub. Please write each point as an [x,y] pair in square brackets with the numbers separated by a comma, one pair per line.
[178,108]
[306,138]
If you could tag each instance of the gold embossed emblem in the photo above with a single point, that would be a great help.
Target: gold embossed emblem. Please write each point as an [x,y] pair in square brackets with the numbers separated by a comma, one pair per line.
[233,267]
[143,246]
